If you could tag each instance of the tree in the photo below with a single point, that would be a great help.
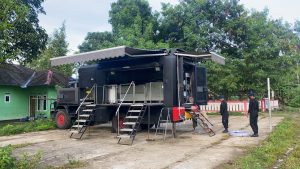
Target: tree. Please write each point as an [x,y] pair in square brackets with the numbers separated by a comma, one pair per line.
[255,46]
[133,25]
[97,40]
[57,46]
[22,39]
[123,14]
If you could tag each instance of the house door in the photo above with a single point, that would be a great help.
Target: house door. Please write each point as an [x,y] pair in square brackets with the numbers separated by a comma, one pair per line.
[32,106]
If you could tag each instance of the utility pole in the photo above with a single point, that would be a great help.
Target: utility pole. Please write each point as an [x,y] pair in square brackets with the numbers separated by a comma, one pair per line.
[269,107]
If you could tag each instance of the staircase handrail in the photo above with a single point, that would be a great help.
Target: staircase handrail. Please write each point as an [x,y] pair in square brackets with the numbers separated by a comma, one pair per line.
[77,110]
[122,100]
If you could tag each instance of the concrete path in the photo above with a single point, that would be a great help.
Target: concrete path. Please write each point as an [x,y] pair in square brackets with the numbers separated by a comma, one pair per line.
[191,149]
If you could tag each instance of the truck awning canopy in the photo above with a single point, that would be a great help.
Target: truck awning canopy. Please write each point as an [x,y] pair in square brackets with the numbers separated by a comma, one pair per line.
[123,51]
[204,56]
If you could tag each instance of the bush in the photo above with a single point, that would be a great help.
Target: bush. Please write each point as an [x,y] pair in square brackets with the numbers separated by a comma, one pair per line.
[7,161]
[17,128]
[294,97]
[27,162]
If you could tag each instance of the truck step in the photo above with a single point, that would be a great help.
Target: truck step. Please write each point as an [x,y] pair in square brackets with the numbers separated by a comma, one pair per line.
[124,136]
[84,115]
[126,129]
[134,111]
[88,110]
[87,102]
[132,117]
[137,105]
[129,123]
[81,121]
[78,126]
[91,105]
[74,131]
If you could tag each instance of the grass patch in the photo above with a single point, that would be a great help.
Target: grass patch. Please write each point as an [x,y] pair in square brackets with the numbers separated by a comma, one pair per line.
[293,160]
[230,113]
[25,127]
[25,162]
[265,155]
[21,145]
[8,161]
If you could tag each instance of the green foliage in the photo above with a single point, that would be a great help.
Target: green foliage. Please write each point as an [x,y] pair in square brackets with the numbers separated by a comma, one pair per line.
[6,159]
[133,24]
[97,40]
[124,13]
[22,39]
[293,96]
[37,125]
[57,46]
[255,46]
[273,147]
[293,161]
[25,162]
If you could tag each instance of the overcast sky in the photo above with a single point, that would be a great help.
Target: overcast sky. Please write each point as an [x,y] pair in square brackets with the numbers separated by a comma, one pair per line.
[83,16]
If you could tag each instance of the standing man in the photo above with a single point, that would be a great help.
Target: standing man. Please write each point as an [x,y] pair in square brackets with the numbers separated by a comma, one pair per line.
[224,113]
[253,111]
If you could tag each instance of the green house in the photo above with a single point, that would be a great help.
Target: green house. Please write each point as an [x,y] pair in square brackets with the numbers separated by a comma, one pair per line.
[27,93]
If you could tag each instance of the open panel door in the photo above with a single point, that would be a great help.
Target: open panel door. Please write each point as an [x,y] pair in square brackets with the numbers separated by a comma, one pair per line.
[200,86]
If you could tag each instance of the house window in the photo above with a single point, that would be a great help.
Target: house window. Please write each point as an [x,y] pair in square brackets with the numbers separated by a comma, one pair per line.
[42,103]
[7,98]
[45,103]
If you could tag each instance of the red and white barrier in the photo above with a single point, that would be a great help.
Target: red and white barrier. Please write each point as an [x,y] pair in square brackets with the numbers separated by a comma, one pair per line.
[238,106]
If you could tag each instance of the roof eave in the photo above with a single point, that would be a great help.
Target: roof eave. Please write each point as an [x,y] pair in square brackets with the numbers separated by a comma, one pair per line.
[89,56]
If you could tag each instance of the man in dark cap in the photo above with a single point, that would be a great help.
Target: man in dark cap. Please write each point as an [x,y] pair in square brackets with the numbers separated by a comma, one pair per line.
[224,113]
[253,111]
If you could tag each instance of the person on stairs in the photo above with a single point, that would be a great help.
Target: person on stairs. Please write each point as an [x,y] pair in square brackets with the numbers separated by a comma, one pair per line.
[253,111]
[224,113]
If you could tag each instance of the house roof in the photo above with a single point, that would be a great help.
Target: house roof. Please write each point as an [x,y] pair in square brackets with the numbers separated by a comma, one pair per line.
[17,75]
[123,51]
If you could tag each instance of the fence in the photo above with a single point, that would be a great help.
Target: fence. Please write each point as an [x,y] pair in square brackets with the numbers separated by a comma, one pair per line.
[238,106]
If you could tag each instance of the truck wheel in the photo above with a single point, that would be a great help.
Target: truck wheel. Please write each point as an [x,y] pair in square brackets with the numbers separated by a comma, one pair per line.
[63,120]
[145,126]
[115,124]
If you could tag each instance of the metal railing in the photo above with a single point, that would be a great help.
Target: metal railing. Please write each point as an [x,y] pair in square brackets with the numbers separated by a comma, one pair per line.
[79,107]
[122,100]
[133,94]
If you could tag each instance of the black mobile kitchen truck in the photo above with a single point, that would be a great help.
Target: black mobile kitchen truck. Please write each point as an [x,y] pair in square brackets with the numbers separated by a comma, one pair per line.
[131,87]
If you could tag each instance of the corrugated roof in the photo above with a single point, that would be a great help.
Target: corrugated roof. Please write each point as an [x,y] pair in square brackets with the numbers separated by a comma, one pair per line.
[17,75]
[108,53]
[123,51]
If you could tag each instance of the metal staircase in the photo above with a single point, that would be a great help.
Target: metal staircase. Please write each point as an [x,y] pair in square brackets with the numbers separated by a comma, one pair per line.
[201,120]
[163,130]
[132,122]
[85,115]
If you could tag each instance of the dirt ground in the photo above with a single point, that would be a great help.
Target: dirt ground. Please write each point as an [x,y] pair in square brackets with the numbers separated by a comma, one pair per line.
[99,148]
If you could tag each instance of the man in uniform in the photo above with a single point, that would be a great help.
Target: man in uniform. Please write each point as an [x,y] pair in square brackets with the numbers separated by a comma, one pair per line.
[224,113]
[253,111]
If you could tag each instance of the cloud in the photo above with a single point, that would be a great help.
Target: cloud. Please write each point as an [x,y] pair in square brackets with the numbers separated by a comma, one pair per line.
[81,17]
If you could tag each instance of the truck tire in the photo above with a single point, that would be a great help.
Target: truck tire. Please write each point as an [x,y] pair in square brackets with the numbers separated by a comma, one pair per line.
[115,124]
[63,119]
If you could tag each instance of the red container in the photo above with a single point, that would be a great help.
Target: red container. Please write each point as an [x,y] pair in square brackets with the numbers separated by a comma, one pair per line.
[178,114]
